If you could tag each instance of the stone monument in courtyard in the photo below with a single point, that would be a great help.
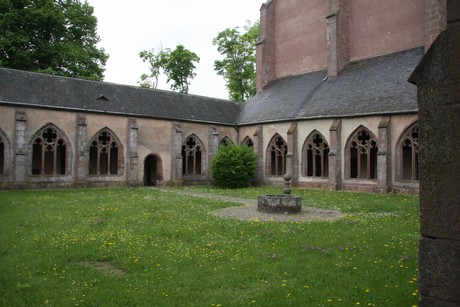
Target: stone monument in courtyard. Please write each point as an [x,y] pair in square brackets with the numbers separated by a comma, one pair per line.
[280,203]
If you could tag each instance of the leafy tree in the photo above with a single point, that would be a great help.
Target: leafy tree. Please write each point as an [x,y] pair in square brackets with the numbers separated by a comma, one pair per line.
[234,166]
[238,65]
[177,64]
[156,61]
[53,36]
[179,67]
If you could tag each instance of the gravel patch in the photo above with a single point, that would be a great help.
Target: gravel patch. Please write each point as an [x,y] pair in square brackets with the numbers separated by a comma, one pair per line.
[248,211]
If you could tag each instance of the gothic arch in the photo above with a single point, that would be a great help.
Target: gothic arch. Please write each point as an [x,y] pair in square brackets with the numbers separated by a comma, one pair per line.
[5,154]
[315,151]
[225,141]
[276,156]
[153,170]
[193,155]
[105,154]
[50,152]
[407,154]
[361,154]
[248,141]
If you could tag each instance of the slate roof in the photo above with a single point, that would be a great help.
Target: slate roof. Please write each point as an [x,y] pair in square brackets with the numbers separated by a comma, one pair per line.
[368,87]
[54,92]
[373,86]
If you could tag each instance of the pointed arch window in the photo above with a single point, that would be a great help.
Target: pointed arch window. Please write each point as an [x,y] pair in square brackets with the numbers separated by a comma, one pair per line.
[5,159]
[315,156]
[2,156]
[248,142]
[103,154]
[277,154]
[363,155]
[191,156]
[48,152]
[225,141]
[409,149]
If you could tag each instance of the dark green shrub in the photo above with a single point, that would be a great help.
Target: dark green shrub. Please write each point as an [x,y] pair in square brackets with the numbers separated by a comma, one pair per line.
[234,166]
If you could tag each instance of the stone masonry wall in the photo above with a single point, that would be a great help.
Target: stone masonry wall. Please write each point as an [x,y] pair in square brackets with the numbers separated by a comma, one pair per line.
[438,81]
[435,20]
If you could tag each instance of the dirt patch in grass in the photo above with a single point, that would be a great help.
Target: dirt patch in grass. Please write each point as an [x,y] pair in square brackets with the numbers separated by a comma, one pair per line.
[104,267]
[248,210]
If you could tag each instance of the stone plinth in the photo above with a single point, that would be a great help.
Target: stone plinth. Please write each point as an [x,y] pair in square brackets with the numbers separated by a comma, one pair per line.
[279,203]
[438,84]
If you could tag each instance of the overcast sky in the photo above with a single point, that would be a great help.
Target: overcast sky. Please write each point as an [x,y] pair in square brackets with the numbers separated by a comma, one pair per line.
[128,27]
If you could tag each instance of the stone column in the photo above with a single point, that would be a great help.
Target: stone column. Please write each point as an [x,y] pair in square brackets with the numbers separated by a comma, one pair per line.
[384,155]
[213,141]
[82,160]
[292,165]
[259,151]
[176,155]
[20,149]
[438,80]
[335,155]
[133,171]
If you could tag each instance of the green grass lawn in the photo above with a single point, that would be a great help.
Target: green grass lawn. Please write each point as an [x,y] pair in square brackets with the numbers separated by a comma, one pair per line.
[148,247]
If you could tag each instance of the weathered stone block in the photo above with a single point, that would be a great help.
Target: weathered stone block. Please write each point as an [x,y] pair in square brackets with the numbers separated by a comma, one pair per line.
[453,14]
[440,62]
[438,81]
[279,203]
[427,301]
[439,134]
[440,200]
[440,272]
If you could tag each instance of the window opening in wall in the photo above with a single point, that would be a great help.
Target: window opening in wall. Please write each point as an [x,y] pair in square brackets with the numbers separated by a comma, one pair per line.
[363,155]
[316,156]
[248,142]
[278,151]
[2,157]
[103,155]
[225,141]
[48,153]
[410,155]
[191,157]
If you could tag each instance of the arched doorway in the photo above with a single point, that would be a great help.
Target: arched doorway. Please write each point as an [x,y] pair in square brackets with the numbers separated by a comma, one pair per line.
[153,171]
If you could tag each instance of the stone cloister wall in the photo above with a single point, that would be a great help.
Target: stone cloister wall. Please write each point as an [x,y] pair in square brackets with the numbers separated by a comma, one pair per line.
[336,132]
[141,138]
[138,138]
